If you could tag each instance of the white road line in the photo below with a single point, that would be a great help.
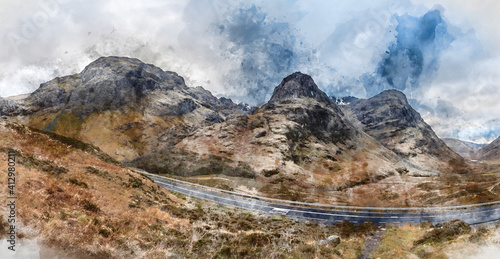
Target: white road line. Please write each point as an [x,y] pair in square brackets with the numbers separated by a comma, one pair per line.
[323,213]
[416,217]
[317,204]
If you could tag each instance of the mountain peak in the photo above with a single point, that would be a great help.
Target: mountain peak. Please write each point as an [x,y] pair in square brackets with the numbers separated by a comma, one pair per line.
[393,93]
[107,83]
[116,68]
[298,85]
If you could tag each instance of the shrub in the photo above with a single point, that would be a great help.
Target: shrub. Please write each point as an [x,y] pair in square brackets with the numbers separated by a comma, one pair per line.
[104,232]
[225,252]
[79,145]
[269,173]
[42,165]
[256,240]
[478,234]
[134,182]
[78,183]
[459,166]
[87,205]
[307,249]
[93,170]
[448,231]
[473,188]
[347,229]
[184,163]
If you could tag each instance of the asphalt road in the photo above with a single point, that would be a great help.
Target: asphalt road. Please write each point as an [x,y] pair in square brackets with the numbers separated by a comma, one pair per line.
[472,214]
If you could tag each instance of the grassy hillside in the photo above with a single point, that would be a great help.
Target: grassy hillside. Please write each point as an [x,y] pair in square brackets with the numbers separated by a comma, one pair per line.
[78,201]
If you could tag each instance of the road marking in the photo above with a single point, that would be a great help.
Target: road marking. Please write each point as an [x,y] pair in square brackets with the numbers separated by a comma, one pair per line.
[416,216]
[317,204]
[238,203]
[279,211]
[297,211]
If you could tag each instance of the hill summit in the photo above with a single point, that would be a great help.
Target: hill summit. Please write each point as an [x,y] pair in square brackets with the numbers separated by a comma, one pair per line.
[298,85]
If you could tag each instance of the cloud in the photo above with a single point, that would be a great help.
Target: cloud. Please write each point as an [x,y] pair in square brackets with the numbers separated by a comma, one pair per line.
[443,57]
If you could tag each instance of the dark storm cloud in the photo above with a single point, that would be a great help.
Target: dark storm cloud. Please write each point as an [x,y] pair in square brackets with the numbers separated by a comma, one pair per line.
[415,54]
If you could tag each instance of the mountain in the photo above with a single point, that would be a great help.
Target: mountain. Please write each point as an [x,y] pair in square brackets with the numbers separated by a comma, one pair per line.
[463,148]
[298,86]
[389,118]
[122,105]
[299,140]
[12,105]
[297,144]
[491,151]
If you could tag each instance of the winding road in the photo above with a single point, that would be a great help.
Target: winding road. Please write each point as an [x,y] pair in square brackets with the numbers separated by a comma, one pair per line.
[472,214]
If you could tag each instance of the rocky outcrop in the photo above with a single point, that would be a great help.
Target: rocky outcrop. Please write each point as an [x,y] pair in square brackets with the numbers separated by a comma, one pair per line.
[333,241]
[297,86]
[12,106]
[491,151]
[124,106]
[389,118]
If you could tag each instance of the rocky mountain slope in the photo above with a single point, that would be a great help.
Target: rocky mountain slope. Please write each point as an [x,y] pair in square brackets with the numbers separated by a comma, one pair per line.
[299,142]
[389,118]
[463,148]
[299,138]
[125,107]
[491,151]
[74,201]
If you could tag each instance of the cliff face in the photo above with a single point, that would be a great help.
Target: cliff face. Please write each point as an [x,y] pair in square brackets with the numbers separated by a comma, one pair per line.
[124,106]
[389,118]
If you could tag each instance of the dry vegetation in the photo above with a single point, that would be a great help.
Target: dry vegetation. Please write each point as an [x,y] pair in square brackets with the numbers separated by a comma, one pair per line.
[83,204]
[453,239]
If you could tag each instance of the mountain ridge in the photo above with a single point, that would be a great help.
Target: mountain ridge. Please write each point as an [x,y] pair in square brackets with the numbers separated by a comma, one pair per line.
[390,119]
[490,151]
[126,107]
[464,148]
[300,140]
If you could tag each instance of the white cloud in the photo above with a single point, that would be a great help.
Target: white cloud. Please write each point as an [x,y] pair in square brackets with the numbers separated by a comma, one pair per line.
[332,40]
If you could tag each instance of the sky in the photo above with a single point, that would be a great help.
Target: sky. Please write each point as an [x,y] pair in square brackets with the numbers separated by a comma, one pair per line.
[443,54]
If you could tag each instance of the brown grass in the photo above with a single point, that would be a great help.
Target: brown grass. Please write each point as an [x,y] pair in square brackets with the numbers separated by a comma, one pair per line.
[102,210]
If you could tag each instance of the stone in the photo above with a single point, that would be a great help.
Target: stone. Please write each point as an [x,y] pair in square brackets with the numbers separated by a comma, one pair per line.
[260,133]
[333,240]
